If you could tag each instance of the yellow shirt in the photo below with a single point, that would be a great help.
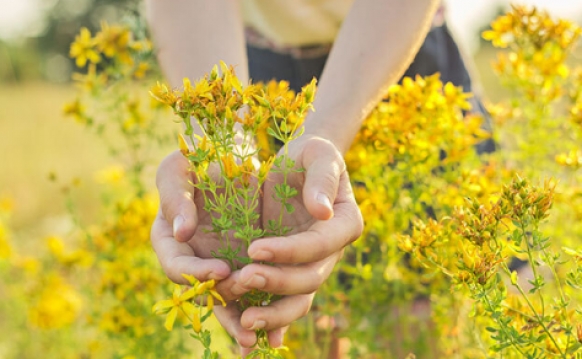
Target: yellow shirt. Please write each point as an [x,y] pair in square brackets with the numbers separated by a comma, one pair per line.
[296,22]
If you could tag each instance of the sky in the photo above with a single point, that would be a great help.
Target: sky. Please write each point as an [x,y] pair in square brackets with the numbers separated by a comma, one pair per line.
[24,17]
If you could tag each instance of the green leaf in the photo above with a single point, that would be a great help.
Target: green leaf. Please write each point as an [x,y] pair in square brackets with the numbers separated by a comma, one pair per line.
[289,162]
[278,161]
[272,225]
[283,127]
[244,260]
[273,134]
[491,329]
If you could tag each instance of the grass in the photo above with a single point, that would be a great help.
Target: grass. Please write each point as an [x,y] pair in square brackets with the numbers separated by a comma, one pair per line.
[36,140]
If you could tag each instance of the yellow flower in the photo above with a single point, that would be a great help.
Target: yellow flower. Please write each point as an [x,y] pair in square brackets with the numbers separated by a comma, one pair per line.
[74,108]
[179,301]
[248,169]
[92,81]
[5,248]
[57,305]
[144,45]
[183,145]
[229,166]
[141,70]
[83,49]
[57,248]
[163,94]
[29,265]
[111,175]
[309,91]
[204,288]
[113,41]
[265,168]
[572,159]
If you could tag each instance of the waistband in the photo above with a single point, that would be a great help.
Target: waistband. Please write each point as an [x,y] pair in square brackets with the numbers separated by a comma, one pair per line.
[258,40]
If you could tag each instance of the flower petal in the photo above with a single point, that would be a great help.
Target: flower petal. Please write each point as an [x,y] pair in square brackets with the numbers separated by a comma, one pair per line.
[190,309]
[171,318]
[189,294]
[162,306]
[217,296]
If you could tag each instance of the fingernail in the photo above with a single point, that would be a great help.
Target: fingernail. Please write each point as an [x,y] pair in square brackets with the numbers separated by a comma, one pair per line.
[178,221]
[323,199]
[256,282]
[262,255]
[258,324]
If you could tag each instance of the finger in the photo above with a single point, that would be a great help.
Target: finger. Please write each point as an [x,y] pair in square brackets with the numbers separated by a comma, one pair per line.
[245,351]
[278,314]
[320,240]
[176,195]
[282,280]
[229,318]
[323,166]
[177,258]
[229,288]
[276,337]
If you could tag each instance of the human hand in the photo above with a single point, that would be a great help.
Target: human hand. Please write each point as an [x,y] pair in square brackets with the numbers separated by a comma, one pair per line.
[325,220]
[178,234]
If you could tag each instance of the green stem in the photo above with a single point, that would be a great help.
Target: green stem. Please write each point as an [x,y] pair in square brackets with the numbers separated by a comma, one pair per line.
[501,325]
[537,317]
[533,265]
[285,173]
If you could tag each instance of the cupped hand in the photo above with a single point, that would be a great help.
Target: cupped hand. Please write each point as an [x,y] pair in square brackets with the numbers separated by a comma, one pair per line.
[325,219]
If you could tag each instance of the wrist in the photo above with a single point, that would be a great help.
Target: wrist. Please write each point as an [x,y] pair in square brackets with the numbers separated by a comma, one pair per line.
[336,132]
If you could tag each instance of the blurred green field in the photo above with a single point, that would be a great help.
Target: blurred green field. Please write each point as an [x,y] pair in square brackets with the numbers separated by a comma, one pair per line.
[35,141]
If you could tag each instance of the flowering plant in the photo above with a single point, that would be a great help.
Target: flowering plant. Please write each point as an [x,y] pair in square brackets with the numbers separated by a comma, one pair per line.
[223,158]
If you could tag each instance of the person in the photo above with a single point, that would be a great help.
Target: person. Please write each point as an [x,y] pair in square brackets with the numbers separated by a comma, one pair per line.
[374,42]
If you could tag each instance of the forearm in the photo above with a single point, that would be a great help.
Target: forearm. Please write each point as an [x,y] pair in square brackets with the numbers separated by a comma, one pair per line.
[376,43]
[191,36]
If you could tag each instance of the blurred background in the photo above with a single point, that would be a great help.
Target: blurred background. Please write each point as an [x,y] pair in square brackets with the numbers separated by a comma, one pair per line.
[45,156]
[35,71]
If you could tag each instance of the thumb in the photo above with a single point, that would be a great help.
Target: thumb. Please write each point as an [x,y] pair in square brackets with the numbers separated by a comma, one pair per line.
[324,166]
[176,196]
